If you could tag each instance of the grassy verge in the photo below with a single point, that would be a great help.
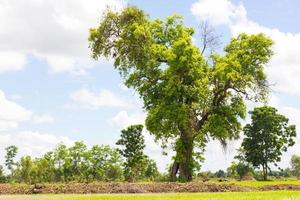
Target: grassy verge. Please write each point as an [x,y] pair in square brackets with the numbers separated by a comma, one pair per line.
[274,195]
[258,184]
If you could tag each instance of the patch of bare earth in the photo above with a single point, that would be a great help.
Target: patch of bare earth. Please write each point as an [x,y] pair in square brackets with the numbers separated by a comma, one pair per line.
[96,187]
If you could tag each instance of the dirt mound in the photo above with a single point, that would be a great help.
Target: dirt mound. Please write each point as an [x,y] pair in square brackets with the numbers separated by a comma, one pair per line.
[280,187]
[85,188]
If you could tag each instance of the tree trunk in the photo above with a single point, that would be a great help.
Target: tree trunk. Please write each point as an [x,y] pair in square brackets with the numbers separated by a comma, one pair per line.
[265,172]
[184,159]
[174,170]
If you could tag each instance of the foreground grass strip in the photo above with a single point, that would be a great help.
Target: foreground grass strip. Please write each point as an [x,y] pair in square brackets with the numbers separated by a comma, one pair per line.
[257,184]
[273,195]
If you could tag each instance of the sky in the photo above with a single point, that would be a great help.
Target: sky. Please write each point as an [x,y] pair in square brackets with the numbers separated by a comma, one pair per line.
[51,91]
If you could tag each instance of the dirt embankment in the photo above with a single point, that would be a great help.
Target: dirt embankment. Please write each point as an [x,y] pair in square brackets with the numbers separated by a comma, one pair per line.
[84,188]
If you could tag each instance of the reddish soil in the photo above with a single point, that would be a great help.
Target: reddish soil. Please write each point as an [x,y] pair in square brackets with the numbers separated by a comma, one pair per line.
[83,188]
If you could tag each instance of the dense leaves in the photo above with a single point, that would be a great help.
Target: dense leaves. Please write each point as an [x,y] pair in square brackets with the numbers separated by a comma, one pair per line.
[188,98]
[295,163]
[76,163]
[267,137]
[137,165]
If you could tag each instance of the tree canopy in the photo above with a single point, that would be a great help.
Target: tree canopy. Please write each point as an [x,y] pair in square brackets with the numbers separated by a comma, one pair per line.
[266,137]
[188,97]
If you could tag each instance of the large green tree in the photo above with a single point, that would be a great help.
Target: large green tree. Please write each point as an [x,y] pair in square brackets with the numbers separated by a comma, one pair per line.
[267,137]
[188,97]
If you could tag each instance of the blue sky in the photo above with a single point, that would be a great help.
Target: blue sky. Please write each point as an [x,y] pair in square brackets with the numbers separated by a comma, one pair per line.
[51,91]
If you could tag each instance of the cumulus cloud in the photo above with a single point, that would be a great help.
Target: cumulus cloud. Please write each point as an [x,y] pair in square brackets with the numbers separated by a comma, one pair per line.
[11,114]
[55,31]
[95,100]
[122,119]
[42,119]
[218,12]
[31,143]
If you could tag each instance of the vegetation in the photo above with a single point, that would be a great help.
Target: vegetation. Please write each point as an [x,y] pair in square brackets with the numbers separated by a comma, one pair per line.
[268,135]
[137,165]
[188,97]
[278,195]
[295,163]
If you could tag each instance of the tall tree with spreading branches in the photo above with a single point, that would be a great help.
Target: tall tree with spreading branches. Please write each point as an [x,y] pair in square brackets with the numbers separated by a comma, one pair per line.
[188,98]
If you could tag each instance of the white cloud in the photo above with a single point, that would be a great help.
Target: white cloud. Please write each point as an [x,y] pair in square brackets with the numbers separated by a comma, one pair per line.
[55,30]
[122,119]
[42,119]
[11,61]
[95,100]
[11,114]
[217,12]
[31,143]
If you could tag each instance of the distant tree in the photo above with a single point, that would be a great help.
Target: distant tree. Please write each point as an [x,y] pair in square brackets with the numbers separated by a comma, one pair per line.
[62,162]
[2,175]
[24,169]
[151,172]
[187,97]
[220,174]
[232,170]
[11,152]
[268,135]
[243,169]
[45,168]
[105,163]
[295,164]
[133,143]
[78,156]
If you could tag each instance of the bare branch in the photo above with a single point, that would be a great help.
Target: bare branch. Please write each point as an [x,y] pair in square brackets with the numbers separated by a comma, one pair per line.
[210,40]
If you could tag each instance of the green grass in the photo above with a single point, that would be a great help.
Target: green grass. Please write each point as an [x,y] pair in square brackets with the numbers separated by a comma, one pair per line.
[273,195]
[257,184]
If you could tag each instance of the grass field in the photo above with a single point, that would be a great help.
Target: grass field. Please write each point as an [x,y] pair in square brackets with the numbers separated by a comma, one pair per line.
[273,195]
[257,184]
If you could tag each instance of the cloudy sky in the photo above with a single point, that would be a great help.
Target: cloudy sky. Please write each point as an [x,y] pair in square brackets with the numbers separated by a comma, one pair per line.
[51,91]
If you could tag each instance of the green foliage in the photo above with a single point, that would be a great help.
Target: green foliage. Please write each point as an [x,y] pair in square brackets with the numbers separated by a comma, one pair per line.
[133,143]
[268,135]
[151,171]
[105,164]
[2,175]
[11,153]
[220,174]
[75,163]
[232,170]
[295,164]
[188,97]
[243,169]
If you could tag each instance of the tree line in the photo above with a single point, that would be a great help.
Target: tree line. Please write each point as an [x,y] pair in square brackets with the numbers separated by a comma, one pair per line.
[83,164]
[128,162]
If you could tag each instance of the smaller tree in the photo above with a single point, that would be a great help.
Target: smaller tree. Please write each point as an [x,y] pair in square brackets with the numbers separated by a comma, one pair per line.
[11,152]
[220,174]
[151,172]
[133,144]
[232,170]
[2,175]
[243,170]
[268,135]
[295,164]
